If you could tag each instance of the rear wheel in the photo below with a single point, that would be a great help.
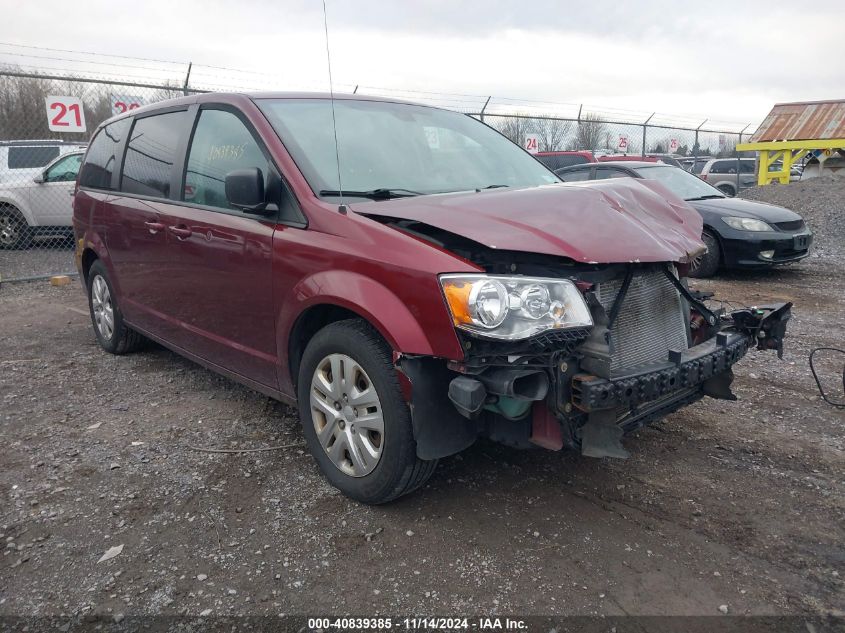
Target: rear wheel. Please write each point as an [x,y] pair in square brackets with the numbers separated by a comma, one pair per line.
[706,264]
[15,233]
[112,333]
[354,418]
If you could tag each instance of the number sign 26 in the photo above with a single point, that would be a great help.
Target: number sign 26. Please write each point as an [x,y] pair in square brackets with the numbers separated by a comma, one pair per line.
[65,114]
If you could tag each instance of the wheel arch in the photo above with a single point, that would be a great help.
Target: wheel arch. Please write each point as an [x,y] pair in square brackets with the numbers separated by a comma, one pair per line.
[336,295]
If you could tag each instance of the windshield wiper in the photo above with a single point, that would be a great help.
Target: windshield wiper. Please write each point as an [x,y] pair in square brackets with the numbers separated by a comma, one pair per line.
[491,187]
[707,197]
[373,194]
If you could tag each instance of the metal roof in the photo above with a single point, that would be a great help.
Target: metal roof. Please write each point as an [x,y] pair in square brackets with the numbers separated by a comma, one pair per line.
[810,120]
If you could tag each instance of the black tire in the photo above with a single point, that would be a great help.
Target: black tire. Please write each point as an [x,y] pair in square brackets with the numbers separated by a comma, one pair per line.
[123,339]
[727,190]
[15,233]
[398,470]
[708,263]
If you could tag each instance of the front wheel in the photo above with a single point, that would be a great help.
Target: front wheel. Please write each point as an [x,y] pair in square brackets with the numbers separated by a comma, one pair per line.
[354,418]
[706,264]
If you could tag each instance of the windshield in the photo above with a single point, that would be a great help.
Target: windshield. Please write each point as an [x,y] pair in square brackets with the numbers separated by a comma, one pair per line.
[386,146]
[682,183]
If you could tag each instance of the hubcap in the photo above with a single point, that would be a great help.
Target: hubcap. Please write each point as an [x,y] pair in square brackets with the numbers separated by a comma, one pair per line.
[347,416]
[103,310]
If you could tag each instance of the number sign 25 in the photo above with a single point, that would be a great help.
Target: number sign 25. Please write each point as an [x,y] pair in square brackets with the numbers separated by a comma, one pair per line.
[65,114]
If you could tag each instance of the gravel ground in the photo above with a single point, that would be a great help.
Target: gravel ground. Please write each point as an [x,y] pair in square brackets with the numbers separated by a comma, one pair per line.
[43,258]
[736,506]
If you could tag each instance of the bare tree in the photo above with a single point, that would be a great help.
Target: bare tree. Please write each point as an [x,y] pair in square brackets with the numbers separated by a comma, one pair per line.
[591,133]
[551,133]
[514,127]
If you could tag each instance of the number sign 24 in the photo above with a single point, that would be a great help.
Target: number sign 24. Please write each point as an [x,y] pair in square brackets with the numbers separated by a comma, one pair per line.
[65,114]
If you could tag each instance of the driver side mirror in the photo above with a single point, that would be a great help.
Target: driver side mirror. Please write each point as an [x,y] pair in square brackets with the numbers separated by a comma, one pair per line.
[39,179]
[245,190]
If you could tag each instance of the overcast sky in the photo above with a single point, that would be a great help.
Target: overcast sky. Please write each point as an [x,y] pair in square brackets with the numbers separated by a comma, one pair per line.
[729,61]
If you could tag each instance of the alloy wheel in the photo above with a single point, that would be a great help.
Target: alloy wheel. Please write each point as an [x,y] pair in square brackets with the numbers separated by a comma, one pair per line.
[347,415]
[102,305]
[9,230]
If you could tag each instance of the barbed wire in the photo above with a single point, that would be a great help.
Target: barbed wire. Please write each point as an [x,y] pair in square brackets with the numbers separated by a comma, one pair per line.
[204,77]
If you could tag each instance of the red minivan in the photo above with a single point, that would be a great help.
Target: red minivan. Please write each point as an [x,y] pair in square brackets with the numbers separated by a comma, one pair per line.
[405,275]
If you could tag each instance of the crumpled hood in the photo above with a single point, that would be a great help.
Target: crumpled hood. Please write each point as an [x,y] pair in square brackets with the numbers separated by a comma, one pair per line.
[609,221]
[747,209]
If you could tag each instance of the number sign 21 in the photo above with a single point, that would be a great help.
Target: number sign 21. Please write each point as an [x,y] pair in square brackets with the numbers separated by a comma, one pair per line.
[65,114]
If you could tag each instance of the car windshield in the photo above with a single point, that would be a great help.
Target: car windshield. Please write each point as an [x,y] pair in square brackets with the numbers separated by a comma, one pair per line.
[682,183]
[392,146]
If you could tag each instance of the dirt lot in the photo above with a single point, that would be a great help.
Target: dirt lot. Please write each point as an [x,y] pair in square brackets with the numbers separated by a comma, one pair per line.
[726,504]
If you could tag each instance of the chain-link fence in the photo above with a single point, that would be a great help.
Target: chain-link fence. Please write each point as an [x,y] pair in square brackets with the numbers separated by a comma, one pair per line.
[47,119]
[45,124]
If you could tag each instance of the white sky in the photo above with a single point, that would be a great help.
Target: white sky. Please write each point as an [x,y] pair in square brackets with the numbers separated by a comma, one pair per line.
[727,61]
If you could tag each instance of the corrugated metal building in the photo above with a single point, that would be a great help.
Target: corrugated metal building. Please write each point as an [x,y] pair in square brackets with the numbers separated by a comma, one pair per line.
[794,130]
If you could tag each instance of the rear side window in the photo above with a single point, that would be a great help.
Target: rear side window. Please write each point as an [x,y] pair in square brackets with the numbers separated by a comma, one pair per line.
[102,155]
[603,173]
[31,157]
[221,144]
[574,176]
[721,167]
[151,153]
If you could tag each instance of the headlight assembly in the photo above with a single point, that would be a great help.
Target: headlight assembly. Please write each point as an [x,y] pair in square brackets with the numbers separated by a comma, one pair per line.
[747,224]
[511,308]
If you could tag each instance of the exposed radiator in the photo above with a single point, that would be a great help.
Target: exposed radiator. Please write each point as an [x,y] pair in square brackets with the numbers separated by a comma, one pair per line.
[650,323]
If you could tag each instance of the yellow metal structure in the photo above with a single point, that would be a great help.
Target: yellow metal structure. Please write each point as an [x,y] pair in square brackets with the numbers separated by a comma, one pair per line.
[787,151]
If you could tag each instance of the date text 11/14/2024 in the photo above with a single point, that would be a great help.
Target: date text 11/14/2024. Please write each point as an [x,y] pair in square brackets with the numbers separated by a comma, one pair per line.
[416,624]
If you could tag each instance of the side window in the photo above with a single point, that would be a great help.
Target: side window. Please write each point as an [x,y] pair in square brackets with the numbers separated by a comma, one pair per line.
[221,144]
[746,167]
[102,155]
[572,159]
[605,172]
[719,167]
[65,170]
[29,157]
[150,154]
[575,175]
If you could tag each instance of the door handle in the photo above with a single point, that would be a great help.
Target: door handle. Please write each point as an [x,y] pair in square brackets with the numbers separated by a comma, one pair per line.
[154,227]
[181,231]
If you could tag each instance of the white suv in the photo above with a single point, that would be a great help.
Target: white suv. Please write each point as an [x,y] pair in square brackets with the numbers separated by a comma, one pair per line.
[37,202]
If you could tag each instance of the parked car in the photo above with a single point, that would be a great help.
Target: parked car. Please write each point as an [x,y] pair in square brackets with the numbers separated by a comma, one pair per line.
[722,173]
[694,165]
[22,160]
[557,160]
[39,205]
[738,233]
[651,158]
[409,296]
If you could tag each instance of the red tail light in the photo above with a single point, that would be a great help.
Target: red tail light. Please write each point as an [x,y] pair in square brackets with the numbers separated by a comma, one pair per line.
[703,176]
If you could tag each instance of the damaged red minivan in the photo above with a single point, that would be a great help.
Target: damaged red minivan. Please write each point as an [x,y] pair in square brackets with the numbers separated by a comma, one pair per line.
[407,276]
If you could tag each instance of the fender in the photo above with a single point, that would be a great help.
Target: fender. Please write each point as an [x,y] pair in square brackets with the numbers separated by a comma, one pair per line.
[356,293]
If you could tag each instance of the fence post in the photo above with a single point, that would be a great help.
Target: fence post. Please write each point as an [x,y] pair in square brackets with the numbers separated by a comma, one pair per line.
[695,147]
[645,127]
[481,115]
[187,79]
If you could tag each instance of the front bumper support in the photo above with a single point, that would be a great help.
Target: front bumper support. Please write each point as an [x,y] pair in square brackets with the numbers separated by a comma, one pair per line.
[683,370]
